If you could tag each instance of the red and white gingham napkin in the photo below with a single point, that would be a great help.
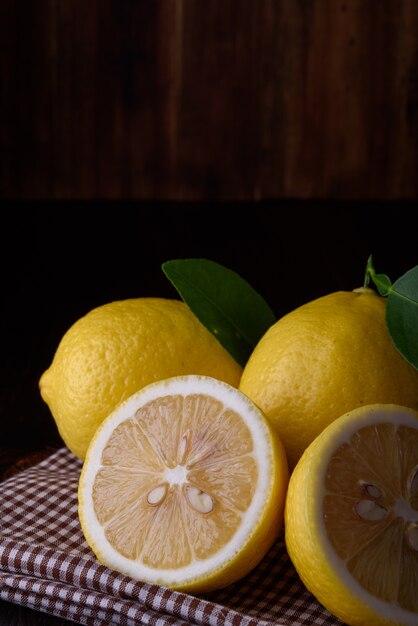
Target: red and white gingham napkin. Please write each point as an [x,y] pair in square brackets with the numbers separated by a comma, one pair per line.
[46,564]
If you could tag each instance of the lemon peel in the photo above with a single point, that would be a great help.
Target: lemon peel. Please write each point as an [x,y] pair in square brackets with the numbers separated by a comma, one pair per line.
[351,516]
[323,359]
[118,348]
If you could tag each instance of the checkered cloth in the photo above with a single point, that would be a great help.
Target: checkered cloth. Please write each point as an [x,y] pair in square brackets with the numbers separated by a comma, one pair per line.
[46,564]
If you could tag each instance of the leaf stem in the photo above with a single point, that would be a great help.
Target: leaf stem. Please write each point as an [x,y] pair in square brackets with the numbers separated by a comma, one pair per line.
[382,282]
[369,273]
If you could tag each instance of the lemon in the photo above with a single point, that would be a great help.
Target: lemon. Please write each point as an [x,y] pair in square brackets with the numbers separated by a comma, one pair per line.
[351,520]
[118,348]
[323,359]
[183,485]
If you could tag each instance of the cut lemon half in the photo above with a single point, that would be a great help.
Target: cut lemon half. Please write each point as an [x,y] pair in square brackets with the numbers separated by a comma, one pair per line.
[351,517]
[183,485]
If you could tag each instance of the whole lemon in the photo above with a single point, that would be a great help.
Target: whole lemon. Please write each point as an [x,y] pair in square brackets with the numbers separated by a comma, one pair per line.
[323,359]
[118,348]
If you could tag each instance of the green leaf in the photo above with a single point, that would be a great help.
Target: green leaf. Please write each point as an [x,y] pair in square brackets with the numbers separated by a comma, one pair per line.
[223,301]
[383,284]
[381,281]
[402,315]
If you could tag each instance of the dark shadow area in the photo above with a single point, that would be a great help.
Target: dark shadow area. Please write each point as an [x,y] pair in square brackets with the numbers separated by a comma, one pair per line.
[61,259]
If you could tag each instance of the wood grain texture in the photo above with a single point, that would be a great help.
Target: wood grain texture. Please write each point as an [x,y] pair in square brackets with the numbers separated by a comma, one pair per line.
[188,100]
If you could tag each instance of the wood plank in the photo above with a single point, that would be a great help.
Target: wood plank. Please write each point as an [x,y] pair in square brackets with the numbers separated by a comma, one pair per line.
[74,71]
[155,75]
[182,100]
[219,100]
[25,100]
[352,98]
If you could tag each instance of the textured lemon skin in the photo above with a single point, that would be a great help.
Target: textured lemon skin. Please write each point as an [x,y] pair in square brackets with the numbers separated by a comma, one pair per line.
[322,360]
[262,537]
[118,348]
[306,541]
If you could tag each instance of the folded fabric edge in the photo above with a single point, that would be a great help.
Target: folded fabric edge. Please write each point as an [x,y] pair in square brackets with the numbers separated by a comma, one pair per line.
[89,608]
[81,574]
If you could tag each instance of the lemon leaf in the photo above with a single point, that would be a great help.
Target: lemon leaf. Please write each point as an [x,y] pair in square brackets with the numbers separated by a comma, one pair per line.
[402,315]
[224,302]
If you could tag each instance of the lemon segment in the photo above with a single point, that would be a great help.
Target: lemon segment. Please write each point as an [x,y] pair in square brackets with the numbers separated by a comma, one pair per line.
[323,359]
[183,485]
[351,517]
[118,348]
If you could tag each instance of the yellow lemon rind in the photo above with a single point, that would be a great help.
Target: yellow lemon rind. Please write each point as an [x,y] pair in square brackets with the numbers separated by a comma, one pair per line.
[118,348]
[319,567]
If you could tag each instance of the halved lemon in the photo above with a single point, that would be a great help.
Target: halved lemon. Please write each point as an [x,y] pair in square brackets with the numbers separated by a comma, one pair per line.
[351,517]
[183,485]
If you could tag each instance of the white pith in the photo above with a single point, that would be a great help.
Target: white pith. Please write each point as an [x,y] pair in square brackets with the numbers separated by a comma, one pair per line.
[262,453]
[375,415]
[176,475]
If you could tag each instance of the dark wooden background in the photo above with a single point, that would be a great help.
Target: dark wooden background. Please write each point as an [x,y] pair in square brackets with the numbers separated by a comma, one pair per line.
[209,99]
[277,137]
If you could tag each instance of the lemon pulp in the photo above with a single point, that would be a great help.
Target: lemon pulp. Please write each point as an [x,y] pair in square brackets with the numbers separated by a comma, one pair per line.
[371,510]
[183,485]
[352,516]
